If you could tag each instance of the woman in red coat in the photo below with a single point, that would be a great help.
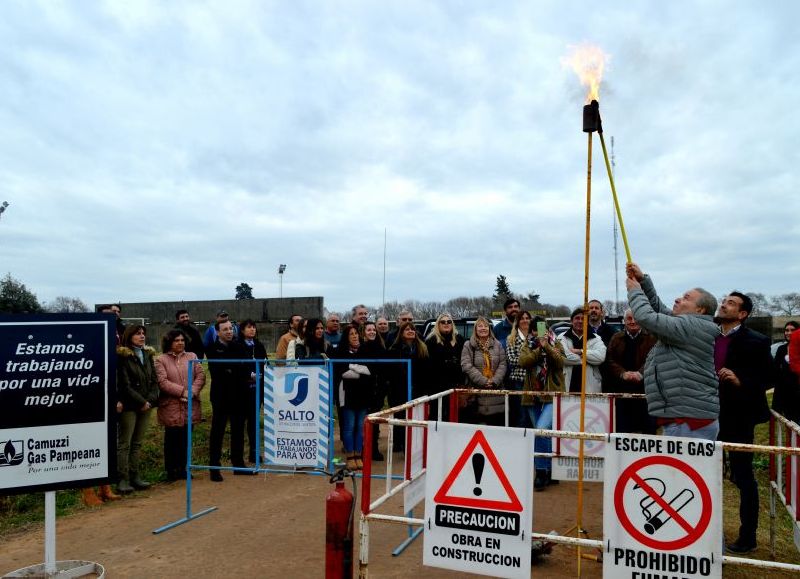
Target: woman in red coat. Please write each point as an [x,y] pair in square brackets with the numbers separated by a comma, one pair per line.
[172,369]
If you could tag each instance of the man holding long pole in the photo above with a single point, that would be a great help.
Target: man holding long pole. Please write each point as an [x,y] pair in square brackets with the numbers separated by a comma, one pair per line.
[680,381]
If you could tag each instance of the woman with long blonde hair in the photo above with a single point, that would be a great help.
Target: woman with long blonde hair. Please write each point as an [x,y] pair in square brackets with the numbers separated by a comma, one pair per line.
[445,345]
[484,362]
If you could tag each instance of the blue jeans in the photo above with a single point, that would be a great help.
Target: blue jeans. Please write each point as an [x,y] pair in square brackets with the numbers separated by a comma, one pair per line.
[540,415]
[709,432]
[352,428]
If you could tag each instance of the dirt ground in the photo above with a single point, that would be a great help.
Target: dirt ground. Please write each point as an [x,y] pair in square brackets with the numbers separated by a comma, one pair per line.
[269,525]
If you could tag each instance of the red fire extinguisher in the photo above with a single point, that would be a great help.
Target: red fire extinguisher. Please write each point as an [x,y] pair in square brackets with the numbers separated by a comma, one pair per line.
[339,515]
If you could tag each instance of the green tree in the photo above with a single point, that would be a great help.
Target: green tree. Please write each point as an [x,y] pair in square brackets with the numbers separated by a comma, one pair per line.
[15,298]
[502,291]
[244,291]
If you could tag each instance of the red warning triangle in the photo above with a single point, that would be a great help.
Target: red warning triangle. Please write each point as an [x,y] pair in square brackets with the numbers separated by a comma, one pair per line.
[513,503]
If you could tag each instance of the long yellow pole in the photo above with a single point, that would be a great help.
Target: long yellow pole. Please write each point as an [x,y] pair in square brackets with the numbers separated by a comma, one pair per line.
[579,517]
[616,201]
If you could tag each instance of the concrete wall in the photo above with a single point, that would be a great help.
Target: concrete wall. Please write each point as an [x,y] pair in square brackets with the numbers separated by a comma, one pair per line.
[263,309]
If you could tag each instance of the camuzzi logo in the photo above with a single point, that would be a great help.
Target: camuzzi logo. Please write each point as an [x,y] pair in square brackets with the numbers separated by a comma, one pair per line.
[297,383]
[12,452]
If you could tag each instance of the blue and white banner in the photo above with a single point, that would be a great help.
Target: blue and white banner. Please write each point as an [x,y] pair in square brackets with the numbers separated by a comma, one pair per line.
[296,414]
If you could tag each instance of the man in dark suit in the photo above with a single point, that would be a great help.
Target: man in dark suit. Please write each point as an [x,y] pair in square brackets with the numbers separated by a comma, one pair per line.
[229,394]
[194,342]
[742,361]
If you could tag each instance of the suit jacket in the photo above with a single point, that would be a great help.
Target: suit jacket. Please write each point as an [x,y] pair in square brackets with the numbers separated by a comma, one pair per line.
[744,406]
[613,367]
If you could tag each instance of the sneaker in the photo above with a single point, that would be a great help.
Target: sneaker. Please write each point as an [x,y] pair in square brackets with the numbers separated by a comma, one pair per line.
[741,547]
[124,487]
[140,484]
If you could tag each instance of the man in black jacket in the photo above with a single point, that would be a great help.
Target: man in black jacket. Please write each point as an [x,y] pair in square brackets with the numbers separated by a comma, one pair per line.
[229,390]
[194,341]
[597,321]
[742,360]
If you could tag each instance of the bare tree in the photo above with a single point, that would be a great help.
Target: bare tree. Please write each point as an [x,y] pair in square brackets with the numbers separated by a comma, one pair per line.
[68,305]
[761,306]
[391,309]
[786,304]
[460,307]
[613,308]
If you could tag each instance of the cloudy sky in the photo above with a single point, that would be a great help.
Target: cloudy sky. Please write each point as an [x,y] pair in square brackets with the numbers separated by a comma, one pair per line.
[163,151]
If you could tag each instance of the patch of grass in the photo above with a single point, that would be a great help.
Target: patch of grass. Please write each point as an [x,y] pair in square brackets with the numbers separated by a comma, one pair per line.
[20,512]
[785,550]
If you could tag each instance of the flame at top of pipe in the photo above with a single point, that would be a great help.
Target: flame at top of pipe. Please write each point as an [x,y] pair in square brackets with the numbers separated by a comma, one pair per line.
[588,62]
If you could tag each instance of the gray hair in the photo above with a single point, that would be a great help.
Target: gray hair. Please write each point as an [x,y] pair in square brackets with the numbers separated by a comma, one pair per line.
[706,301]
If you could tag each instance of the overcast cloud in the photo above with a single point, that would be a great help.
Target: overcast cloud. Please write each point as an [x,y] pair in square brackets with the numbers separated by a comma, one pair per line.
[165,151]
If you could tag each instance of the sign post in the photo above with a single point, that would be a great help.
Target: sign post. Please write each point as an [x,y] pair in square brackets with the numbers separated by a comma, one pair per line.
[663,507]
[478,499]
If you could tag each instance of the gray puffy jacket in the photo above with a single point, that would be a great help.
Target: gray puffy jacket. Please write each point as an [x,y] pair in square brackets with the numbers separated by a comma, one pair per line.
[679,376]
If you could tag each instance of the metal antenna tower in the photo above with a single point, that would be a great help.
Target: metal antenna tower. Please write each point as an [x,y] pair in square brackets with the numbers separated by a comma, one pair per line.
[616,234]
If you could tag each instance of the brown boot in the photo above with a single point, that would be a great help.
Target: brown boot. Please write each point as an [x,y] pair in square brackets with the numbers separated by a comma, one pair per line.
[107,494]
[359,462]
[90,499]
[351,462]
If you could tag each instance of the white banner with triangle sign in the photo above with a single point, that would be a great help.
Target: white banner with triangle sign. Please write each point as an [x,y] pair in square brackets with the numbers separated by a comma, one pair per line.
[478,499]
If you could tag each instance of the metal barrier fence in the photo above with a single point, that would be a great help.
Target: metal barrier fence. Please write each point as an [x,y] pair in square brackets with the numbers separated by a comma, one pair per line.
[266,427]
[784,475]
[369,506]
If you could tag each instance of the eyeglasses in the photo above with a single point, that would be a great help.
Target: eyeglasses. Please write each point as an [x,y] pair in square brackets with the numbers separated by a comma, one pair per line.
[406,319]
[446,322]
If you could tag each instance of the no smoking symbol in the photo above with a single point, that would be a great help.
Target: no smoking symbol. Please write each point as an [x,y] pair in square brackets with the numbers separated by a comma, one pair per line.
[595,421]
[659,504]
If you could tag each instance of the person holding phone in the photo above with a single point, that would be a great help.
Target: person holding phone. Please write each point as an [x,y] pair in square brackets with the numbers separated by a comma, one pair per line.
[544,361]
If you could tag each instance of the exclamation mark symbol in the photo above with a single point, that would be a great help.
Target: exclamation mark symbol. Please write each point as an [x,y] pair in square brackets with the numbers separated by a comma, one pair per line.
[478,460]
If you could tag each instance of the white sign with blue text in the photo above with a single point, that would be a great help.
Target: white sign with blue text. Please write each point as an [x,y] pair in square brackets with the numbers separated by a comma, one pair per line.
[296,411]
[56,375]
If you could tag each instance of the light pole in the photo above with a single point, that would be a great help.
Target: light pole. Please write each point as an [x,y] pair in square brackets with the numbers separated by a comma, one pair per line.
[281,269]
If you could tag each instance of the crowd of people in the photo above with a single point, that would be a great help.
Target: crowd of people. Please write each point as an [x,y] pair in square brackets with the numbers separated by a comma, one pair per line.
[703,372]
